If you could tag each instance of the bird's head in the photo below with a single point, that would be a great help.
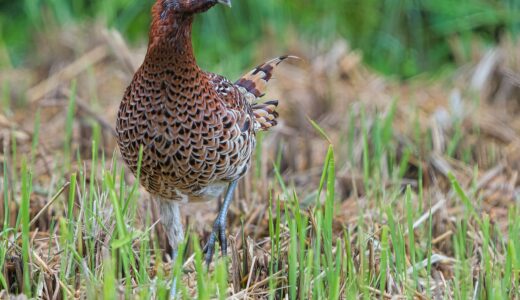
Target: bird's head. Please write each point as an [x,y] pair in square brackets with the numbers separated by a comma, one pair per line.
[188,7]
[173,18]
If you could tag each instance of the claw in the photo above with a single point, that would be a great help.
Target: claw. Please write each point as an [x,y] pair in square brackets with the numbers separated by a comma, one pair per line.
[219,228]
[219,232]
[209,248]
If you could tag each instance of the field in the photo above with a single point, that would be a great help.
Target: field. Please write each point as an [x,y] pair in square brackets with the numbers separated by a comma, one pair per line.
[393,173]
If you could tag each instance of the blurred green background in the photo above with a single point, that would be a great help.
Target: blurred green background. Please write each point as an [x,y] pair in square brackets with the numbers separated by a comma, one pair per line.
[397,37]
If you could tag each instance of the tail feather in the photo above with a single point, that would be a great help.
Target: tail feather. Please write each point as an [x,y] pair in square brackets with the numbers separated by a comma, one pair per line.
[253,86]
[255,81]
[265,114]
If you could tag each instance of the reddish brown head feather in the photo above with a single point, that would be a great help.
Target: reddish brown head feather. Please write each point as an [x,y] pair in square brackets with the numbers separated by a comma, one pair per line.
[166,8]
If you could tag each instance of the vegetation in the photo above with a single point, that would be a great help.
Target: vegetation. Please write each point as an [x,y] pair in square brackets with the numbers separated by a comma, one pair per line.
[399,37]
[369,188]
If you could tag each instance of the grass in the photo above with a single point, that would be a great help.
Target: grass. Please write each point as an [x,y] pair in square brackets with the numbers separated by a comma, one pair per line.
[357,195]
[398,37]
[104,252]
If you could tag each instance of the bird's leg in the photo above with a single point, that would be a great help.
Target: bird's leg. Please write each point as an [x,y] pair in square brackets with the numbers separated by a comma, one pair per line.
[171,221]
[219,227]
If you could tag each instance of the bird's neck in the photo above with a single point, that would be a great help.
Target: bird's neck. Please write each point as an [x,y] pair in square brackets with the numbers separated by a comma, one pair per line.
[170,45]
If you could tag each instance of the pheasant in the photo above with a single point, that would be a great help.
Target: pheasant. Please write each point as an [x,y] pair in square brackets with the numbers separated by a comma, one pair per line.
[196,129]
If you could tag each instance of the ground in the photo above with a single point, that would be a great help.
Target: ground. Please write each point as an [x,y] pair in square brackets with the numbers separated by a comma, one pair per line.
[369,187]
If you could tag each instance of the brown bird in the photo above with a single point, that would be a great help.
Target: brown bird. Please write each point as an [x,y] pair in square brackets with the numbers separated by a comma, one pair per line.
[197,129]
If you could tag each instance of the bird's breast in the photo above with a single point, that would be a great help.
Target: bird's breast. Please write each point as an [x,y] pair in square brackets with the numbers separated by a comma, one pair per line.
[192,145]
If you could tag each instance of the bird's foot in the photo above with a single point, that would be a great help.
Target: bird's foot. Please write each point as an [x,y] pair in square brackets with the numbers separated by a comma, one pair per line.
[219,227]
[219,232]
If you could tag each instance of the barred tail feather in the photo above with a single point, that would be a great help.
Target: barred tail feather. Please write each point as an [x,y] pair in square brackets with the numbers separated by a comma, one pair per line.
[253,86]
[265,114]
[255,81]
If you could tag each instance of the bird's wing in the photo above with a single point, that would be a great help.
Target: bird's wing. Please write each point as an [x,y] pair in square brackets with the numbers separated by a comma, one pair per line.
[234,101]
[245,93]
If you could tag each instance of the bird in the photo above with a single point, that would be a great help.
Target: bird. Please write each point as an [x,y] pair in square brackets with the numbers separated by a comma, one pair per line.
[196,129]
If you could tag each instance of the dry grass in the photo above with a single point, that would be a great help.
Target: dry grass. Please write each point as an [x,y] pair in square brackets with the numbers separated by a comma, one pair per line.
[457,130]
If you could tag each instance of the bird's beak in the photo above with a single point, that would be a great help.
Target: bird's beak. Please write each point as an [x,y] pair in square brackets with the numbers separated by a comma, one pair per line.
[225,2]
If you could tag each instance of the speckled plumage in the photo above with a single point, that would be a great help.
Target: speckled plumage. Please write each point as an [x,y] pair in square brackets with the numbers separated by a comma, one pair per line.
[197,129]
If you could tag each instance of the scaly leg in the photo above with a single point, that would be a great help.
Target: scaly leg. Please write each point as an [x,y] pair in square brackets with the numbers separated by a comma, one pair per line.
[171,220]
[219,227]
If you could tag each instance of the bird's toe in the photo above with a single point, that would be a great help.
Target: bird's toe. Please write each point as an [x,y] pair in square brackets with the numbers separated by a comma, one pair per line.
[209,248]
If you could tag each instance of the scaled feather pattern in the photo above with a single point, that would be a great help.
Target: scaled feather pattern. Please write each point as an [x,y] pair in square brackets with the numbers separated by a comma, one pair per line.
[197,129]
